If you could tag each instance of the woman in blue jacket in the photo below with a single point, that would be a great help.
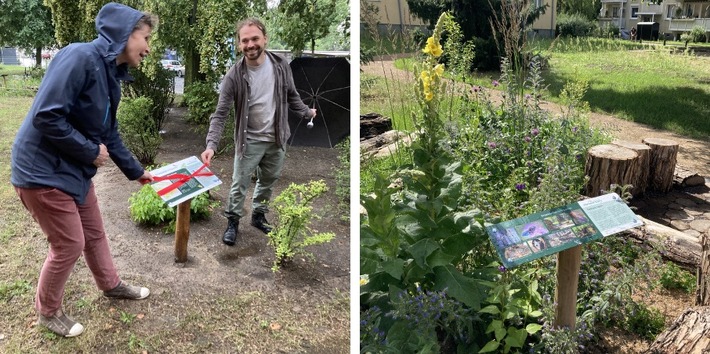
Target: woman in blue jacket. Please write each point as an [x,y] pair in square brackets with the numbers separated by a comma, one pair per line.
[69,132]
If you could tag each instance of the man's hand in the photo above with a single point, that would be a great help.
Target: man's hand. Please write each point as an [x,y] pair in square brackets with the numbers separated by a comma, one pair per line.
[145,178]
[207,156]
[103,156]
[313,113]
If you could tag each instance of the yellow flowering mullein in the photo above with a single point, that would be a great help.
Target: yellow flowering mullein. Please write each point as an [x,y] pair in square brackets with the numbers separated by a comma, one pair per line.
[433,47]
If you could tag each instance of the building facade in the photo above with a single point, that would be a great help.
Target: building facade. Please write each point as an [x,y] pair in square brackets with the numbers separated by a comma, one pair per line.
[671,18]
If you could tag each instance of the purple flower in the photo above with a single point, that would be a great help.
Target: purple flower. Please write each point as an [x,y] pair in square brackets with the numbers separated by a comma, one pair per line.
[535,131]
[574,129]
[527,96]
[492,144]
[527,139]
[502,269]
[578,157]
[520,186]
[495,83]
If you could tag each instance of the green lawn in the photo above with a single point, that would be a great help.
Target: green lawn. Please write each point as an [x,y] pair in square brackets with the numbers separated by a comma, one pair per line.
[653,87]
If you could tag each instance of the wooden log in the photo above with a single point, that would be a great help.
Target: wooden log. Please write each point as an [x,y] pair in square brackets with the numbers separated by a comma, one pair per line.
[607,165]
[182,231]
[703,279]
[664,154]
[684,177]
[640,183]
[674,245]
[373,124]
[689,334]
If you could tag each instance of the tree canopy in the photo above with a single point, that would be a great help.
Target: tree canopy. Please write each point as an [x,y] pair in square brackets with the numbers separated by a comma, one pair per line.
[26,24]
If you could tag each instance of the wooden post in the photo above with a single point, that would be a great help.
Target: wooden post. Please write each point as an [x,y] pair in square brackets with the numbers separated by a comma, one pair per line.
[664,154]
[703,285]
[640,181]
[568,265]
[182,231]
[607,165]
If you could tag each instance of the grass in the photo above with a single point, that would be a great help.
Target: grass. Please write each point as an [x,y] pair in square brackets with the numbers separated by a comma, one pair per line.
[12,69]
[254,320]
[653,87]
[664,88]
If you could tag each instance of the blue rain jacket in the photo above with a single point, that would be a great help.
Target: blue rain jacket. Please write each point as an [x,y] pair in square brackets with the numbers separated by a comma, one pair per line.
[75,110]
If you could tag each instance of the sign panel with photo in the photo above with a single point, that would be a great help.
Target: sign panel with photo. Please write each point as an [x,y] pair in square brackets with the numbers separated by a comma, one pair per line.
[541,234]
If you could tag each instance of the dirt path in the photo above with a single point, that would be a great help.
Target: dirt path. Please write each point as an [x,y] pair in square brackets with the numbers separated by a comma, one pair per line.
[693,154]
[308,299]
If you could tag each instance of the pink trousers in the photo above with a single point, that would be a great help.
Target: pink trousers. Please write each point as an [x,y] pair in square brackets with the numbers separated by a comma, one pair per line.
[71,229]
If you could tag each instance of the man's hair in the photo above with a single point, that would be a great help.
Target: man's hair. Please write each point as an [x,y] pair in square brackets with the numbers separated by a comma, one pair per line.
[146,20]
[251,21]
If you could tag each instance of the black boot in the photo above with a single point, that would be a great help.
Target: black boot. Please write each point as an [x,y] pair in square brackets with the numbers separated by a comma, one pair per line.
[258,220]
[230,235]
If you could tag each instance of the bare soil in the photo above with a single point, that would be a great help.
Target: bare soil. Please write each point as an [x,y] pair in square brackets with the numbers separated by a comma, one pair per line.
[288,314]
[693,154]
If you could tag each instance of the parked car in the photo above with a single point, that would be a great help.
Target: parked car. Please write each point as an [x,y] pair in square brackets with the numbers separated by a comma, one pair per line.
[175,66]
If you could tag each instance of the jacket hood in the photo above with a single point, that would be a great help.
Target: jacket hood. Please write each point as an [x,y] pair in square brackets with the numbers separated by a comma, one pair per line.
[115,23]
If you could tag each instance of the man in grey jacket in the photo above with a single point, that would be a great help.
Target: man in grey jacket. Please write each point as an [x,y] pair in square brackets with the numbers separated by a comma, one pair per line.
[260,85]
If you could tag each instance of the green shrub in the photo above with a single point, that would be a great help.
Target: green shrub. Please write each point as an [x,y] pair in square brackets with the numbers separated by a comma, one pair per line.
[574,25]
[201,100]
[673,277]
[138,129]
[645,321]
[342,178]
[147,208]
[158,86]
[291,232]
[697,35]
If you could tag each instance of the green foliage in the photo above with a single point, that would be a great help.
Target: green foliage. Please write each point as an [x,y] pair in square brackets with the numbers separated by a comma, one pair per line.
[137,128]
[647,322]
[153,82]
[147,208]
[74,20]
[127,317]
[574,25]
[201,100]
[26,24]
[342,178]
[292,233]
[674,277]
[8,290]
[293,14]
[697,35]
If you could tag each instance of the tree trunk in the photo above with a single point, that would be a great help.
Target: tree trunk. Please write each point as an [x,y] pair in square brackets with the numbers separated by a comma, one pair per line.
[664,154]
[607,165]
[38,57]
[689,334]
[644,151]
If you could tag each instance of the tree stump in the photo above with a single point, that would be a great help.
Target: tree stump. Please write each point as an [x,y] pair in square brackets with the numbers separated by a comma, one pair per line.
[664,154]
[644,152]
[689,334]
[607,165]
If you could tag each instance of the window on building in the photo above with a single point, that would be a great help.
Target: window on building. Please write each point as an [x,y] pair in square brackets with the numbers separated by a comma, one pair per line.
[634,12]
[670,12]
[615,11]
[539,3]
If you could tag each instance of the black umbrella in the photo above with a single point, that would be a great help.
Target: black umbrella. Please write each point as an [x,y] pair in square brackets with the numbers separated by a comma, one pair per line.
[324,84]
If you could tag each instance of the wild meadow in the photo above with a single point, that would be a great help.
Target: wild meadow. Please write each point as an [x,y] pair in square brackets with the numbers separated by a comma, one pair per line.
[484,152]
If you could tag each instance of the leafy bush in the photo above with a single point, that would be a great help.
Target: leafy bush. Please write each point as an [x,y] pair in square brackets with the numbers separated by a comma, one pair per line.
[574,25]
[342,178]
[138,130]
[674,277]
[147,208]
[158,86]
[697,35]
[291,233]
[201,100]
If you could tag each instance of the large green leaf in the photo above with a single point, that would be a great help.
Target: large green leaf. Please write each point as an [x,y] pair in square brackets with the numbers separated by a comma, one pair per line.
[421,250]
[459,286]
[394,267]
